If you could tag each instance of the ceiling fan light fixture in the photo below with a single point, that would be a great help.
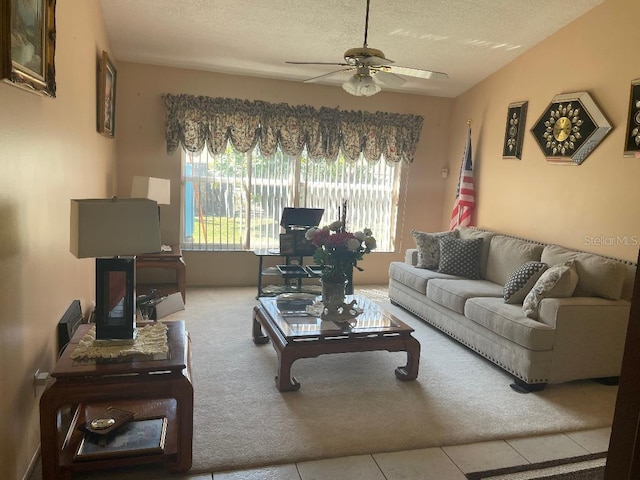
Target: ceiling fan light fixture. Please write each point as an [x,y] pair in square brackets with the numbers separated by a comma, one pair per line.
[361,85]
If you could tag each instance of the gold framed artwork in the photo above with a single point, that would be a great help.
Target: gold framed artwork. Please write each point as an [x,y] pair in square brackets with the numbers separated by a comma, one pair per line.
[27,44]
[632,139]
[514,131]
[107,97]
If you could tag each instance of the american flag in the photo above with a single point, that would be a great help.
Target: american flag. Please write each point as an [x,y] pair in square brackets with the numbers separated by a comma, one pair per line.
[465,194]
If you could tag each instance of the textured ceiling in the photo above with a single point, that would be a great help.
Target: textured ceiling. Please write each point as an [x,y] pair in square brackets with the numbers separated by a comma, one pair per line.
[468,39]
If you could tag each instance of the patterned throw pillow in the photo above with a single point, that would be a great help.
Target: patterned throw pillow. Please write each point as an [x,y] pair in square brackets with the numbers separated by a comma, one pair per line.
[558,281]
[522,281]
[460,257]
[429,248]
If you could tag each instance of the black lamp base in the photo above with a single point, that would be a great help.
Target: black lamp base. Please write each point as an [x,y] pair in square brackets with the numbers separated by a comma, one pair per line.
[115,300]
[114,342]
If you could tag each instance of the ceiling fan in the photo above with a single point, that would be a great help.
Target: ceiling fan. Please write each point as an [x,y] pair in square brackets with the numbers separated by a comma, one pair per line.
[370,66]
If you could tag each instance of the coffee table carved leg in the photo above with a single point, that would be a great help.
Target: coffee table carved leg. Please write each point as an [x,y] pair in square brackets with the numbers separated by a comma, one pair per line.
[284,381]
[259,338]
[410,370]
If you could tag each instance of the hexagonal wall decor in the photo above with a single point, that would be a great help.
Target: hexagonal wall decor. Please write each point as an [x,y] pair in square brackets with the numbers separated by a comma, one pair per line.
[570,128]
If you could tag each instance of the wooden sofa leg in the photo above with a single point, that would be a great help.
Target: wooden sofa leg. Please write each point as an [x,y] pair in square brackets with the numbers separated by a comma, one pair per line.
[522,387]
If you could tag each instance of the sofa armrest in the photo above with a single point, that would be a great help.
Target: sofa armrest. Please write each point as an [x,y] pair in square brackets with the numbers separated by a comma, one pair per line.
[590,335]
[411,256]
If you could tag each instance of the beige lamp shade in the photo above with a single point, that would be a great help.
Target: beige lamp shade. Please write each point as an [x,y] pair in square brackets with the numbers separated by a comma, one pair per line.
[158,189]
[112,227]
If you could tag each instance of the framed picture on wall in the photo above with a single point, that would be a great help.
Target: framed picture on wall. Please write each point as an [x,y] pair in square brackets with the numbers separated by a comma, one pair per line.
[27,44]
[514,131]
[632,139]
[107,97]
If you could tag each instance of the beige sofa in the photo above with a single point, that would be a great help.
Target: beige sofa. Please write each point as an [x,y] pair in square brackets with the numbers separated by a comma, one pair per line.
[573,338]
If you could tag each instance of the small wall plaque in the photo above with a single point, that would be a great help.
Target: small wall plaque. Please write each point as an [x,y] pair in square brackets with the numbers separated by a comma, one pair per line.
[514,131]
[632,139]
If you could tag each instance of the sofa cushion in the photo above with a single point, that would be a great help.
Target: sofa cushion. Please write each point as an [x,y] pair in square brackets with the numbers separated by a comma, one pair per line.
[453,294]
[460,257]
[509,322]
[597,276]
[415,278]
[467,233]
[506,254]
[429,248]
[522,281]
[558,281]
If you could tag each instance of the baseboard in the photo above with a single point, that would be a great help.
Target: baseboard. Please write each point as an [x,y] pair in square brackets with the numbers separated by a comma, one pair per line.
[32,464]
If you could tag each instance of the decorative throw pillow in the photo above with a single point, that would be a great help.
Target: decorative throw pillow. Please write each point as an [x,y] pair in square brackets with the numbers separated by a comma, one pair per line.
[522,281]
[460,257]
[558,281]
[429,248]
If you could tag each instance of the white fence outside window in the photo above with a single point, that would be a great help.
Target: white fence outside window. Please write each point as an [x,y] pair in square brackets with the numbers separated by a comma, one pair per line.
[234,201]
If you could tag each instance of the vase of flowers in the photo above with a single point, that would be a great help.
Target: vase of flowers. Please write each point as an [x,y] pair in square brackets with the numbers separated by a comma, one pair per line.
[338,252]
[333,293]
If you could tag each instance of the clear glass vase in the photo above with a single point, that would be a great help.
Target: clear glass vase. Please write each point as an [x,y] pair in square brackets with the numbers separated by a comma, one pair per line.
[333,292]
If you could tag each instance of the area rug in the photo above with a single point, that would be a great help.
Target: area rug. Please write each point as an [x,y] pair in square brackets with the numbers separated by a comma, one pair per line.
[351,404]
[587,467]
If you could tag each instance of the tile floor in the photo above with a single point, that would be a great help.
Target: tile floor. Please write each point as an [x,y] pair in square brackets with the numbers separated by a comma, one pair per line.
[445,463]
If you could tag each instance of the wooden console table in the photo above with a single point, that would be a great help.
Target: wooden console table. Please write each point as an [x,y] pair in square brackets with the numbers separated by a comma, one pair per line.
[165,260]
[149,388]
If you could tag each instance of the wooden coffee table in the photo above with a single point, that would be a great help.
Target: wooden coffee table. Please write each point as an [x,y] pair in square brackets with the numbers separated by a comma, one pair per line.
[297,335]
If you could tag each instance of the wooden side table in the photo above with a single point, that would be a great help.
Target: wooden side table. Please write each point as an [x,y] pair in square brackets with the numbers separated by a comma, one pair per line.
[166,260]
[149,388]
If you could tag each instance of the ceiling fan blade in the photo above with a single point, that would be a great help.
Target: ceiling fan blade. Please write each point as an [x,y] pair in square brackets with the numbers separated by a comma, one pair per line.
[414,72]
[320,63]
[389,79]
[373,61]
[309,80]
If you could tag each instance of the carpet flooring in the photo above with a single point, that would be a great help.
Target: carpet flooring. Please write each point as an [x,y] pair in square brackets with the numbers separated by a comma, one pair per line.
[588,467]
[351,404]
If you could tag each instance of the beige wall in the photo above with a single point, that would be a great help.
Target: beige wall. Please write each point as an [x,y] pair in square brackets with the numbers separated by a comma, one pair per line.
[50,152]
[141,151]
[575,206]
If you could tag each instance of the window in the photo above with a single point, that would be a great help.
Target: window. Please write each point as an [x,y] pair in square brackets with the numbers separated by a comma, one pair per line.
[233,201]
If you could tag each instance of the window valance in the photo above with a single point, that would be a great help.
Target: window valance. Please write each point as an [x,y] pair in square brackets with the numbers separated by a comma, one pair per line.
[197,121]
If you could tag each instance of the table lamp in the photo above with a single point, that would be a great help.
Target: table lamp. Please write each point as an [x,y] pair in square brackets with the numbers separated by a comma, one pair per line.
[114,231]
[158,189]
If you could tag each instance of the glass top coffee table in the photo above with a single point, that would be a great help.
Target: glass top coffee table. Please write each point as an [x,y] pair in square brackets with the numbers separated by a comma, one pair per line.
[295,334]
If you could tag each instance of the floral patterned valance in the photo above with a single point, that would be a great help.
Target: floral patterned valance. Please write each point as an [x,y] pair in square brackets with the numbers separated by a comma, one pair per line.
[196,121]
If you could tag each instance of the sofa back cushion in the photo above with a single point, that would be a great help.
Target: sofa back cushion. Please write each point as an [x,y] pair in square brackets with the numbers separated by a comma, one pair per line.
[507,254]
[597,276]
[467,233]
